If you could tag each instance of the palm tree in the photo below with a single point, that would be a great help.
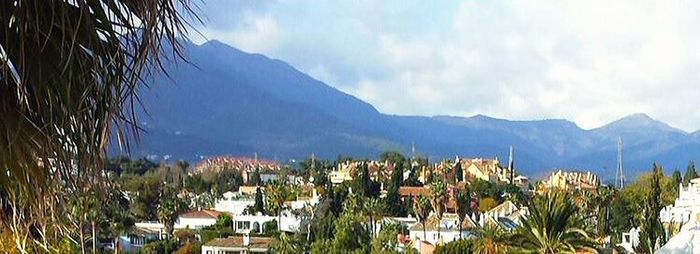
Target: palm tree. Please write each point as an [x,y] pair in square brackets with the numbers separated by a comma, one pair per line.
[169,208]
[373,209]
[422,209]
[463,203]
[70,73]
[553,227]
[277,194]
[604,202]
[438,198]
[491,240]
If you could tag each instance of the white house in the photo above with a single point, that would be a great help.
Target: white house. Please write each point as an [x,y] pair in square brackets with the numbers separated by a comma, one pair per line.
[255,223]
[449,229]
[197,219]
[687,203]
[233,203]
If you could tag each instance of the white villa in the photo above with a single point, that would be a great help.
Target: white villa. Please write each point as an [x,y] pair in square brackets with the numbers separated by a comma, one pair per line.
[449,229]
[234,203]
[255,223]
[687,203]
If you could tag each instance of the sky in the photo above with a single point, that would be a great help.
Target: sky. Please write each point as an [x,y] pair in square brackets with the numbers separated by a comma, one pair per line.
[590,62]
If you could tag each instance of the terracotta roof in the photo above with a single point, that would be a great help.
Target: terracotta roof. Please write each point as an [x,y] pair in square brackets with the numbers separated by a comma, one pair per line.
[237,242]
[208,214]
[406,191]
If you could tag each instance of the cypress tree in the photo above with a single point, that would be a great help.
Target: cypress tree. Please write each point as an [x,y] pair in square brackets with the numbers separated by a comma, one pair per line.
[259,206]
[690,173]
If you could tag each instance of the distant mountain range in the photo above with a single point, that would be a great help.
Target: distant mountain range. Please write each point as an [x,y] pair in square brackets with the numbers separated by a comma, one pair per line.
[226,101]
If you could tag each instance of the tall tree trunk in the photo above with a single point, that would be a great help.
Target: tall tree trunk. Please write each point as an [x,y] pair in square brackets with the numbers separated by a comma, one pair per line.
[279,221]
[460,229]
[82,239]
[116,245]
[424,232]
[94,237]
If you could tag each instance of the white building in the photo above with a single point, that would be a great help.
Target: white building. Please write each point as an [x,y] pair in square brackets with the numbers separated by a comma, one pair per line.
[506,215]
[630,240]
[687,203]
[255,223]
[197,219]
[449,230]
[233,203]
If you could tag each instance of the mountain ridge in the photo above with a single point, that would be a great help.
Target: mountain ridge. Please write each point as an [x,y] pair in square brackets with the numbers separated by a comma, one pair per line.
[249,103]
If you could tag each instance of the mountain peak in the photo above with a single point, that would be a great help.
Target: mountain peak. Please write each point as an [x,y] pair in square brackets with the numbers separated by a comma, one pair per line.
[638,117]
[637,121]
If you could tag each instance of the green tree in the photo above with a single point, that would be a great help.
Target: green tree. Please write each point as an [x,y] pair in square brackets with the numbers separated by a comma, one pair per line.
[652,232]
[70,75]
[373,209]
[604,200]
[351,233]
[677,178]
[286,245]
[491,240]
[393,157]
[553,227]
[456,247]
[386,241]
[322,246]
[277,194]
[621,219]
[463,203]
[438,199]
[392,201]
[422,209]
[259,205]
[169,208]
[690,173]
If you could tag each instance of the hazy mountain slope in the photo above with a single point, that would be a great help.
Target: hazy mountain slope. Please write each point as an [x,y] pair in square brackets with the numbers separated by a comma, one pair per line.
[231,102]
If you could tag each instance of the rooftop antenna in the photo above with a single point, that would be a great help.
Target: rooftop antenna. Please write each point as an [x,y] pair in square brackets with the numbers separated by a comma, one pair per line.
[511,166]
[620,176]
[413,150]
[313,161]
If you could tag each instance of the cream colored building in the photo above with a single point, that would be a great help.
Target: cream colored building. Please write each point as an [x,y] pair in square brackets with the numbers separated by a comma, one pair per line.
[572,180]
[343,172]
[485,169]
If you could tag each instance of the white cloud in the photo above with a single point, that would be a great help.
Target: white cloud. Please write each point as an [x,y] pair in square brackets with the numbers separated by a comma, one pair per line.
[257,33]
[588,61]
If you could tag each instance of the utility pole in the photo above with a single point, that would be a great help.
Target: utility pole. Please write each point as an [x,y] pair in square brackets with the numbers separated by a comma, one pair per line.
[511,166]
[620,175]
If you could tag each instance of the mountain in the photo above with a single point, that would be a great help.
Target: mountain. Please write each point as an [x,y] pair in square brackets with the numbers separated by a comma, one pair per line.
[226,101]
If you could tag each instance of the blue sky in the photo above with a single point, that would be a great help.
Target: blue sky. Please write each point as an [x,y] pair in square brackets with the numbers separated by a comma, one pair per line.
[587,61]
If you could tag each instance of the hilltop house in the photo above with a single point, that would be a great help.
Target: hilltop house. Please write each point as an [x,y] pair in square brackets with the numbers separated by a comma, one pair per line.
[484,169]
[343,172]
[570,181]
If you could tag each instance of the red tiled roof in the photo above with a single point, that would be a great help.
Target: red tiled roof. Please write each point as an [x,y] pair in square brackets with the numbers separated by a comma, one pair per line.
[237,241]
[208,214]
[406,191]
